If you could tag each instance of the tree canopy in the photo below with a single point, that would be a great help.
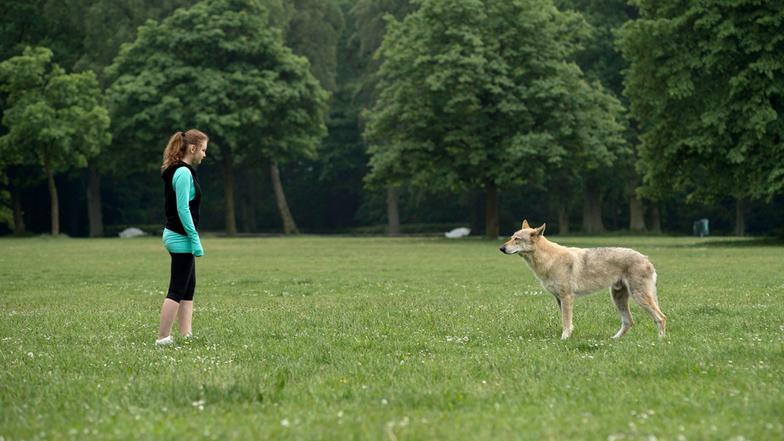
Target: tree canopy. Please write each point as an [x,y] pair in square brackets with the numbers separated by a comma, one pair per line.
[483,94]
[217,65]
[55,120]
[312,31]
[706,81]
[220,66]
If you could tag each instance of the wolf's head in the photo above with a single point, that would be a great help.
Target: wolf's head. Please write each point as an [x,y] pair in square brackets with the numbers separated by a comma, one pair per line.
[523,240]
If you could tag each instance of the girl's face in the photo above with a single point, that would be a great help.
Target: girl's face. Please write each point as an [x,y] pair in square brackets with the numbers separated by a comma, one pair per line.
[196,153]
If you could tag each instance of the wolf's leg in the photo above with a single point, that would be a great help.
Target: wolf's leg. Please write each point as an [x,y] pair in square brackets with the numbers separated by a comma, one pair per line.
[645,295]
[620,295]
[566,315]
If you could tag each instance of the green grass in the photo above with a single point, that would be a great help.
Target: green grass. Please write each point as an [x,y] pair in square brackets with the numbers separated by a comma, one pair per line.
[376,338]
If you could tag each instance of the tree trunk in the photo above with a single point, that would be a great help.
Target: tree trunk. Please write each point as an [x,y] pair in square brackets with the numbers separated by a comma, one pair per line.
[655,218]
[636,215]
[94,209]
[16,200]
[243,214]
[246,198]
[477,210]
[491,212]
[70,210]
[248,214]
[592,210]
[289,227]
[228,192]
[54,201]
[563,220]
[740,217]
[636,206]
[393,212]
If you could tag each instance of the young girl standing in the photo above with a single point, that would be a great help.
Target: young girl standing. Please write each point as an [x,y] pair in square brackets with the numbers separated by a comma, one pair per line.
[184,151]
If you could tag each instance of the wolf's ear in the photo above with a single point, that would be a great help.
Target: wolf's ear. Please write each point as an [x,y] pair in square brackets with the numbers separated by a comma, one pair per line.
[540,230]
[525,224]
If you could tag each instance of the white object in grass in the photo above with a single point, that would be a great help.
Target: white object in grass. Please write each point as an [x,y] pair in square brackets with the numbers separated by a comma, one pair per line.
[458,233]
[131,232]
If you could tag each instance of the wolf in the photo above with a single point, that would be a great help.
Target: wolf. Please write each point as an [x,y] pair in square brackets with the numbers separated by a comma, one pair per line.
[568,272]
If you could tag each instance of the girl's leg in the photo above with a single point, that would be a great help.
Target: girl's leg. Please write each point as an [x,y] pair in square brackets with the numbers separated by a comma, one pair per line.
[168,313]
[181,272]
[185,316]
[186,303]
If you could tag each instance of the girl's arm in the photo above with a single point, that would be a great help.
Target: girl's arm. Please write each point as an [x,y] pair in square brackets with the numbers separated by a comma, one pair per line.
[183,187]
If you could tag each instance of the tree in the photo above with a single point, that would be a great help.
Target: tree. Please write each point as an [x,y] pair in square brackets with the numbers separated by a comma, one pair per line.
[371,27]
[106,25]
[21,25]
[34,23]
[601,61]
[218,66]
[55,24]
[84,35]
[482,94]
[313,31]
[54,119]
[706,81]
[366,39]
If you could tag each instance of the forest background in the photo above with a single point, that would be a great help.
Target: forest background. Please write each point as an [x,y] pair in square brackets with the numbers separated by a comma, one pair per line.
[395,116]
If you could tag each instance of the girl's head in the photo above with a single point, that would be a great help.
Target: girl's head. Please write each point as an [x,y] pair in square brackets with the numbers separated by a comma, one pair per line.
[190,147]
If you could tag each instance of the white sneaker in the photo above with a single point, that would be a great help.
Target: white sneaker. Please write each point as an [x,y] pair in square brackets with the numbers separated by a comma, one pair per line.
[166,341]
[188,336]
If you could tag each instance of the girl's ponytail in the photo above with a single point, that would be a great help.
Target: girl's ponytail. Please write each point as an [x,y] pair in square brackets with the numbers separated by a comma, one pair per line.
[175,149]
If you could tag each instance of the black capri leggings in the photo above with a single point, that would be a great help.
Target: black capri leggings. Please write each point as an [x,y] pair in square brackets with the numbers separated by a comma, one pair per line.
[183,277]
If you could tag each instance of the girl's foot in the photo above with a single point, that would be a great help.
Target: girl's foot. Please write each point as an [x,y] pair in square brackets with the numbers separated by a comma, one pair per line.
[165,341]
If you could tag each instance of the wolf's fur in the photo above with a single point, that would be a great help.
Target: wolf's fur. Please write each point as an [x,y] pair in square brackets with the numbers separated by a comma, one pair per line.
[568,272]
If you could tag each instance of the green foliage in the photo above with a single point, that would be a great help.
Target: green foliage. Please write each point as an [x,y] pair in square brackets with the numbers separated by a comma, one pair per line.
[55,24]
[371,18]
[21,25]
[483,93]
[599,58]
[55,120]
[313,32]
[601,61]
[220,67]
[107,24]
[372,26]
[706,81]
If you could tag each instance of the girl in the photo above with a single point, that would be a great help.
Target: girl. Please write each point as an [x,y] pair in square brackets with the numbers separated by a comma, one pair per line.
[181,236]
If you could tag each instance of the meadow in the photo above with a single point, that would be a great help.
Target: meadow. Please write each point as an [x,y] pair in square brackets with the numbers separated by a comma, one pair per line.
[337,338]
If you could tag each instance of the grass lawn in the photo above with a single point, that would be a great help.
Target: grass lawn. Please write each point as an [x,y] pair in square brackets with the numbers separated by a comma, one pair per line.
[312,338]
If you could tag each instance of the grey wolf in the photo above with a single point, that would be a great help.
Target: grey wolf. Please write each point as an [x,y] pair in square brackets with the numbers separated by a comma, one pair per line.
[568,272]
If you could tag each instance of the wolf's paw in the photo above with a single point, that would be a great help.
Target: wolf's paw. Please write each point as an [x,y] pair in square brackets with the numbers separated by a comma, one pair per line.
[621,332]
